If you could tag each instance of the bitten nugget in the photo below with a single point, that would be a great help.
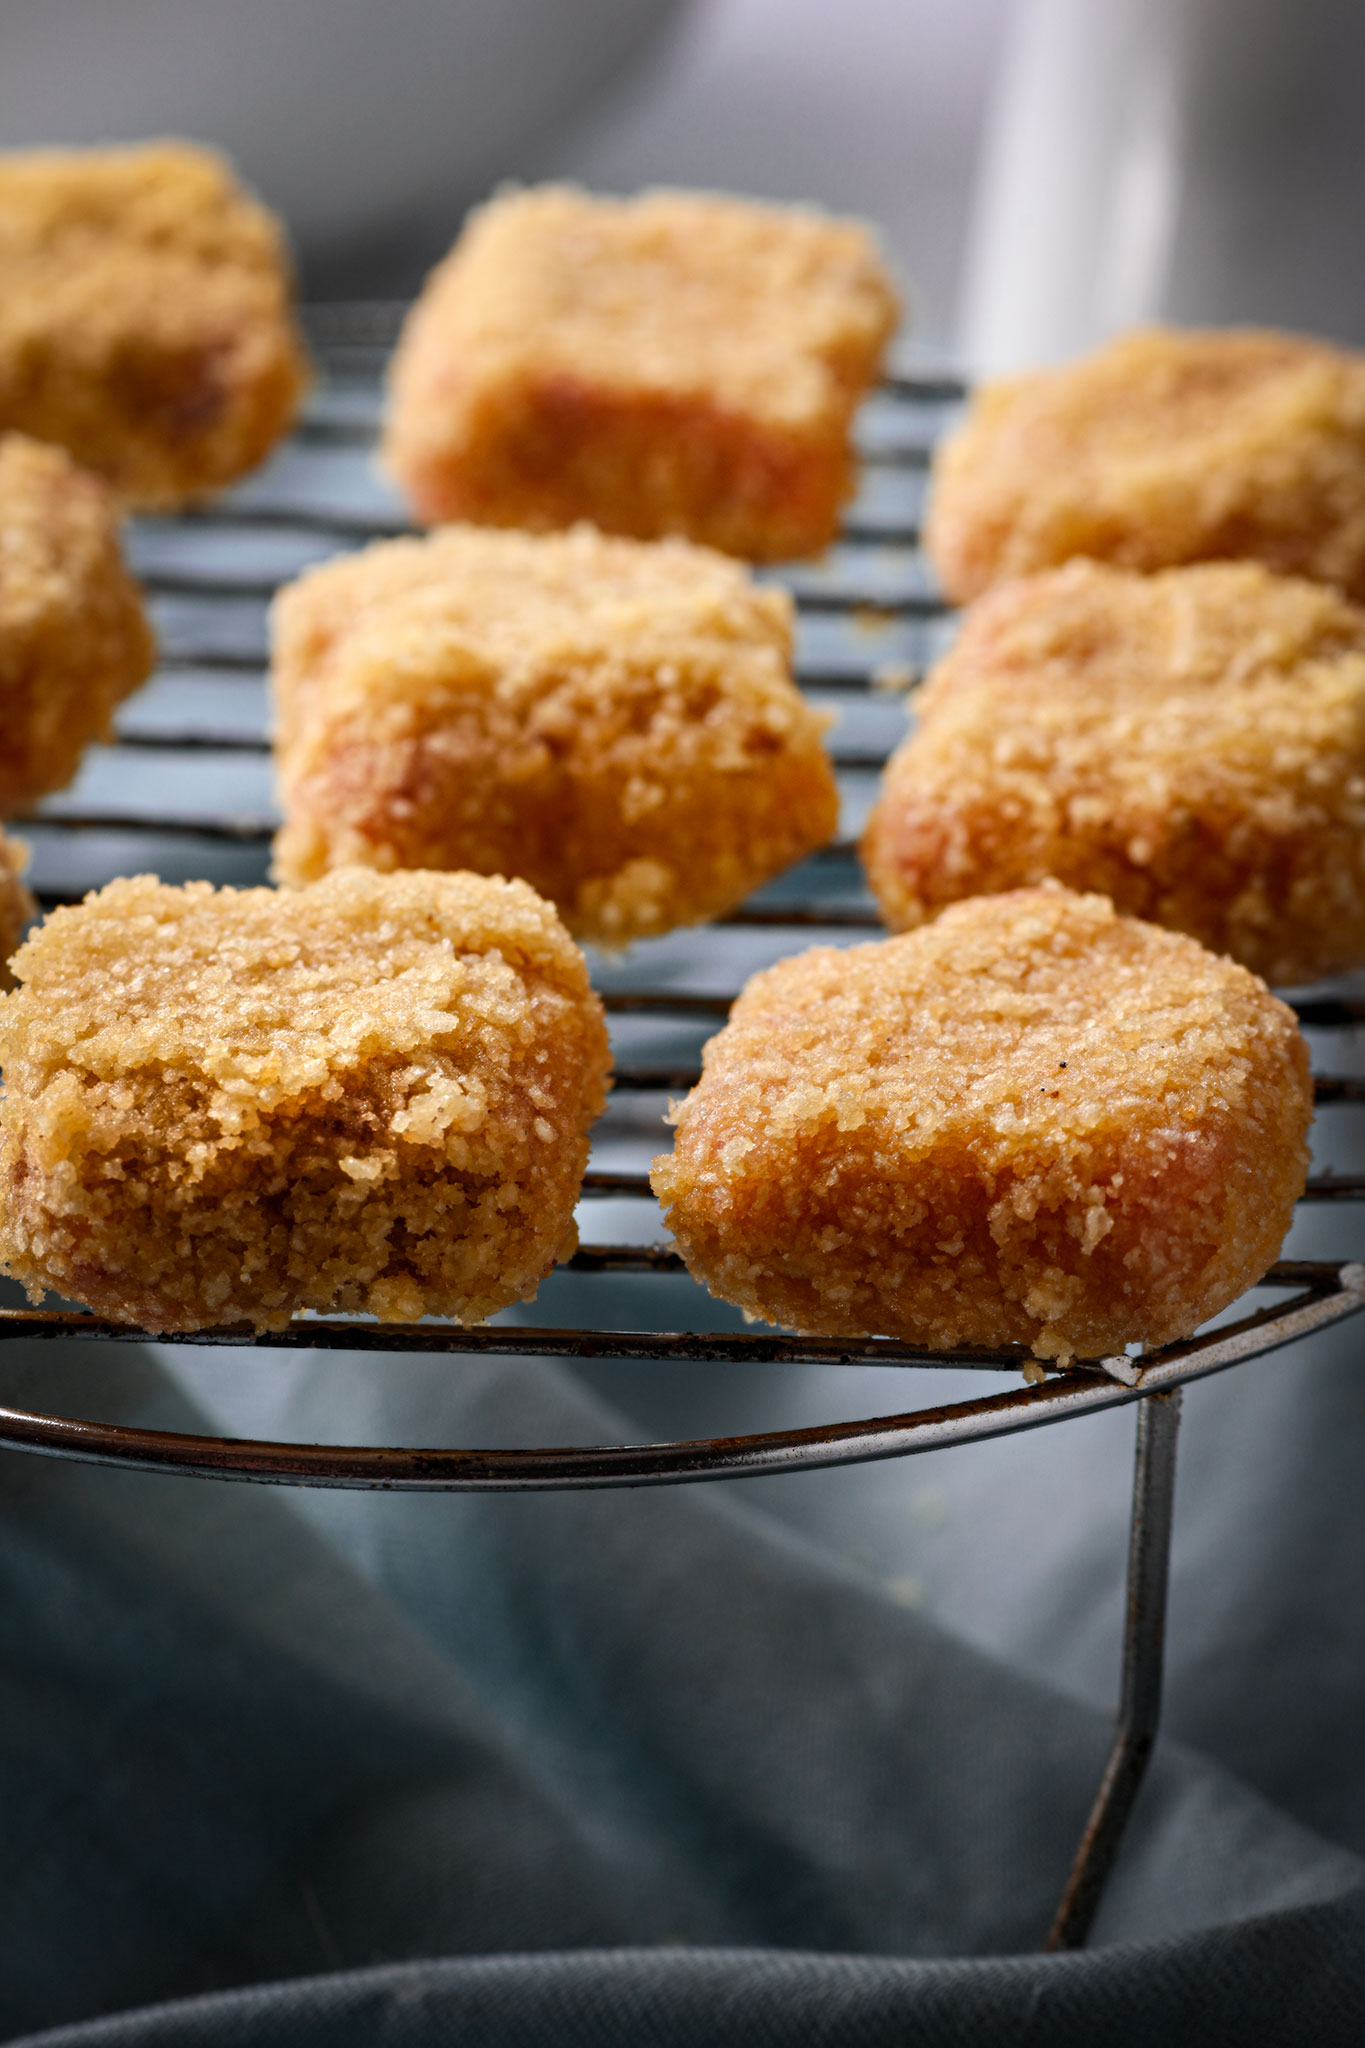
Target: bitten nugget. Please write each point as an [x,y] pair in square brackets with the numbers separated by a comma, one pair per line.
[16,905]
[1163,447]
[1033,1122]
[145,318]
[676,363]
[613,720]
[1192,744]
[230,1105]
[74,638]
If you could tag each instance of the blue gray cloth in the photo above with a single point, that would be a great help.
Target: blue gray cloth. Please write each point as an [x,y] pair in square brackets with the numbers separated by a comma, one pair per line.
[660,1767]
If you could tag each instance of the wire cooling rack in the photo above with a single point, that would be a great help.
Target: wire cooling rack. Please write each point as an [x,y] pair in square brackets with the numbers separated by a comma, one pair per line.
[185,792]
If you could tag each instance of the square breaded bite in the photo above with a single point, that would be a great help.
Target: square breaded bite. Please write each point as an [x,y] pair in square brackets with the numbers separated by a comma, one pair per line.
[1165,446]
[614,721]
[229,1105]
[74,635]
[145,317]
[1191,743]
[677,363]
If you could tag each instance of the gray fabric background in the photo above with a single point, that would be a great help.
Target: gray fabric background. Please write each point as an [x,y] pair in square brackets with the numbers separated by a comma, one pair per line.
[656,1767]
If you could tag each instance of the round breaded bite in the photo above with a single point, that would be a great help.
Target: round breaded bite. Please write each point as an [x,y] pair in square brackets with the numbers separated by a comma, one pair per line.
[228,1105]
[1033,1122]
[1191,743]
[146,318]
[74,636]
[16,905]
[1163,447]
[615,721]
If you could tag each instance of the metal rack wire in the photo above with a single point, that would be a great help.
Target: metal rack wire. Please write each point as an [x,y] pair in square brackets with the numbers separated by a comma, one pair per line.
[185,791]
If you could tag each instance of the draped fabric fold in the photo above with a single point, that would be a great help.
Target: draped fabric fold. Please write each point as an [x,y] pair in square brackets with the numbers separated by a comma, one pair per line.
[641,1767]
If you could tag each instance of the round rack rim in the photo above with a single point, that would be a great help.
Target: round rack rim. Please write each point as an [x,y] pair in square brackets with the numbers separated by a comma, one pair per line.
[1077,1392]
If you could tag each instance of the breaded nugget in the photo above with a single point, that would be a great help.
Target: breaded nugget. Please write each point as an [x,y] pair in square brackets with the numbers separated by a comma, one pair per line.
[145,318]
[74,637]
[1034,1122]
[229,1105]
[1164,447]
[16,905]
[1192,744]
[675,363]
[612,720]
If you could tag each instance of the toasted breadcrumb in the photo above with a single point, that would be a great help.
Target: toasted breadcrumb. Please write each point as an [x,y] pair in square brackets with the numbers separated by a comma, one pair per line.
[1033,1122]
[1163,447]
[1190,743]
[230,1105]
[612,720]
[16,905]
[74,637]
[145,320]
[677,363]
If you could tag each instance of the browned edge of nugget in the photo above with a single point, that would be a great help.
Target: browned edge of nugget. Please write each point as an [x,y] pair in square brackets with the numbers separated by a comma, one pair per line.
[75,639]
[1191,743]
[1163,447]
[146,317]
[16,905]
[372,1095]
[613,720]
[676,363]
[1033,1121]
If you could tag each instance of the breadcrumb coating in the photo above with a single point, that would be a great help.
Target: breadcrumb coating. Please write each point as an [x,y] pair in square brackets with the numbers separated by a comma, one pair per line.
[145,317]
[16,905]
[677,363]
[612,720]
[1033,1122]
[1163,447]
[74,637]
[372,1095]
[1190,743]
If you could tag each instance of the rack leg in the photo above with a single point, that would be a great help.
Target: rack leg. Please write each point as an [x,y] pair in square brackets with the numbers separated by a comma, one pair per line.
[1144,1642]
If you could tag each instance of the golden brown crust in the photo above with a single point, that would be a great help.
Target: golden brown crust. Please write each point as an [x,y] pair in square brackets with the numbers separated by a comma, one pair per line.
[676,363]
[1190,743]
[145,317]
[613,720]
[1164,447]
[16,905]
[1032,1122]
[74,637]
[231,1105]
